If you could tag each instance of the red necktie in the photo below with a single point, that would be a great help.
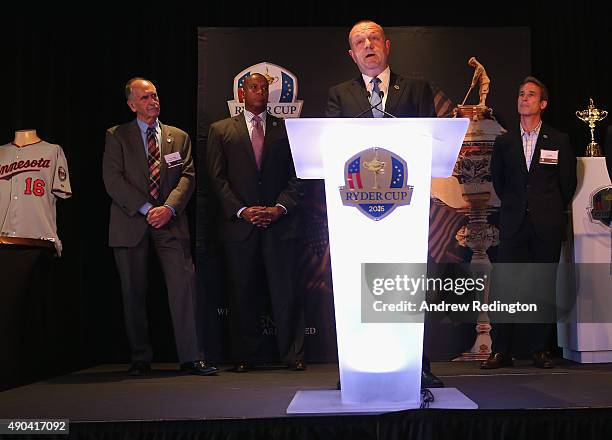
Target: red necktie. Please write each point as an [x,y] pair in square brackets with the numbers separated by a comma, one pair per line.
[257,139]
[154,162]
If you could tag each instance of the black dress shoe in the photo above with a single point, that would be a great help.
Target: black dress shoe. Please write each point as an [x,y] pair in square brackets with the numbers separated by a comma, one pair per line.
[497,360]
[139,368]
[542,360]
[242,367]
[429,380]
[338,385]
[201,368]
[297,366]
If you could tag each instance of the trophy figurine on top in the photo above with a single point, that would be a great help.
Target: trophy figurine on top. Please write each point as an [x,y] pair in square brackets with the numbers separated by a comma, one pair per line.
[592,116]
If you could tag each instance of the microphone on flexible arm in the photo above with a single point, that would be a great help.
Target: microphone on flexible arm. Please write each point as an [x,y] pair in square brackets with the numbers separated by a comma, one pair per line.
[372,107]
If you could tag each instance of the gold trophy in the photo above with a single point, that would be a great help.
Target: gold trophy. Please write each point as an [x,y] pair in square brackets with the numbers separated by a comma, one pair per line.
[592,116]
[271,79]
[376,166]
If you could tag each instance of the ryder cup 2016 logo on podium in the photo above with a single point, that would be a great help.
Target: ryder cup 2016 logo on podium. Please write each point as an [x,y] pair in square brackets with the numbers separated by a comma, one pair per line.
[376,183]
[283,88]
[600,210]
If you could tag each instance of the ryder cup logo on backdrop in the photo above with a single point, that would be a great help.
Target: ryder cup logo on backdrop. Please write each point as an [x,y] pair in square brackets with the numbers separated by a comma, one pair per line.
[600,210]
[283,91]
[376,183]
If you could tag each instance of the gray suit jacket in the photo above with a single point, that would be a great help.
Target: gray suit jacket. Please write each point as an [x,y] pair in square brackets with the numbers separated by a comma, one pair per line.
[126,178]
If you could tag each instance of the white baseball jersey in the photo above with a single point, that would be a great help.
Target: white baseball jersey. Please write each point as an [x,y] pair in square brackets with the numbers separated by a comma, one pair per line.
[31,178]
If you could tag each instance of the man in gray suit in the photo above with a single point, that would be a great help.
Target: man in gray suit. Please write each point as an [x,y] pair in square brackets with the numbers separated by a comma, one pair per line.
[149,175]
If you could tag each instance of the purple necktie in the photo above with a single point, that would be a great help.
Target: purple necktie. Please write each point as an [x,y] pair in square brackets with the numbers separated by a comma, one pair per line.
[154,162]
[257,139]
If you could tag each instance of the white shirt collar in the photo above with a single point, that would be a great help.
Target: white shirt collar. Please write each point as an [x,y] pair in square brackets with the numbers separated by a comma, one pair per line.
[249,116]
[385,79]
[535,130]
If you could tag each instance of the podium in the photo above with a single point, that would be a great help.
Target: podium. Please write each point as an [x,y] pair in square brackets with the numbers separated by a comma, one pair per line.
[587,337]
[377,185]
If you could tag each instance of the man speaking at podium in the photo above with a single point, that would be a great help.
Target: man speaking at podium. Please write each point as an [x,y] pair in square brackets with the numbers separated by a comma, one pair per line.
[379,92]
[377,88]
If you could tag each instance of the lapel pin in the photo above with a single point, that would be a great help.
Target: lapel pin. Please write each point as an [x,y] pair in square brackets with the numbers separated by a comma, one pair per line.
[396,87]
[274,123]
[545,136]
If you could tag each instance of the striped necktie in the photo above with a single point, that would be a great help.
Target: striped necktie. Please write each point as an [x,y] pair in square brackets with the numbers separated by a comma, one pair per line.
[154,162]
[375,98]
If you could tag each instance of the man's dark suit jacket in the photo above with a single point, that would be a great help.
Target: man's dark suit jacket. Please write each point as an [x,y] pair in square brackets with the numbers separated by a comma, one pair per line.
[238,183]
[544,191]
[126,177]
[405,98]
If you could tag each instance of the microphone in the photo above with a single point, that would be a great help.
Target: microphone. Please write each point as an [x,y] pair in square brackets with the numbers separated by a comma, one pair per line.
[372,107]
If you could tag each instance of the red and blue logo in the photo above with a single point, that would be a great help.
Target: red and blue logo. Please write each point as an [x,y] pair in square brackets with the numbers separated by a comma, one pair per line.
[283,88]
[376,183]
[600,210]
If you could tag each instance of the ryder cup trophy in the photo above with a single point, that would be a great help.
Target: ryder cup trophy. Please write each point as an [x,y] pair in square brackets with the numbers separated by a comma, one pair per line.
[592,116]
[376,166]
[469,193]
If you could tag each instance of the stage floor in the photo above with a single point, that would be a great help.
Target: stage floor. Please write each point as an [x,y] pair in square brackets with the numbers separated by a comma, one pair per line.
[105,393]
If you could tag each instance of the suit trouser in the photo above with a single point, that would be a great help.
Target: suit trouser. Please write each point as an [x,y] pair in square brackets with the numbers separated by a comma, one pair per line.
[262,260]
[526,247]
[179,273]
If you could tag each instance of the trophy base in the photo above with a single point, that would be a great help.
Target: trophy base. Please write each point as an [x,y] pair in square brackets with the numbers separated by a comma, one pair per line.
[474,112]
[593,150]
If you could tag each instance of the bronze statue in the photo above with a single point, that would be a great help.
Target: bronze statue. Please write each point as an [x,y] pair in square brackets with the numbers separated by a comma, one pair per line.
[481,77]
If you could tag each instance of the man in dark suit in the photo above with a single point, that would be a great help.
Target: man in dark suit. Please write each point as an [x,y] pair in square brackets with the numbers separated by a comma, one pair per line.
[148,173]
[534,174]
[252,173]
[398,96]
[379,92]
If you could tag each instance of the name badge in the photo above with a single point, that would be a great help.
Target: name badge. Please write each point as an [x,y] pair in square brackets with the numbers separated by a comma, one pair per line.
[173,159]
[550,157]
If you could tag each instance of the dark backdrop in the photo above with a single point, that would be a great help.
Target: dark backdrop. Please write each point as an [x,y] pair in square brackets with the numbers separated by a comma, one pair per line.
[439,54]
[64,74]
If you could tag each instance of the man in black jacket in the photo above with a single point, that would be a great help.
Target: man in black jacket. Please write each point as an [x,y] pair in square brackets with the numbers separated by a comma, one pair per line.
[253,176]
[379,92]
[534,174]
[399,96]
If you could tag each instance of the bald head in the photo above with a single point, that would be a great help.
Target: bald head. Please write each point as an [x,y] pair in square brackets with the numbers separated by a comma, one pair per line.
[142,99]
[369,47]
[363,24]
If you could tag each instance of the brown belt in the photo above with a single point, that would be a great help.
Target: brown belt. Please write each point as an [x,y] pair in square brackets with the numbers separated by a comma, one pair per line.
[31,242]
